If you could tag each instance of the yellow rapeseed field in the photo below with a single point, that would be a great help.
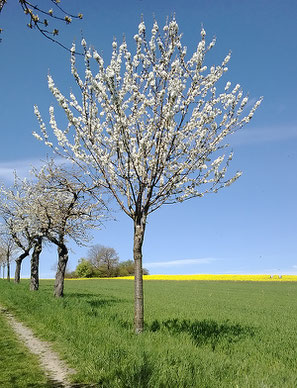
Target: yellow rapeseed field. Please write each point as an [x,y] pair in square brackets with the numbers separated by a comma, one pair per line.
[253,278]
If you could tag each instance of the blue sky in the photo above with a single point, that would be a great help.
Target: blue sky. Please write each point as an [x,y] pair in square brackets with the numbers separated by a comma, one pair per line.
[250,227]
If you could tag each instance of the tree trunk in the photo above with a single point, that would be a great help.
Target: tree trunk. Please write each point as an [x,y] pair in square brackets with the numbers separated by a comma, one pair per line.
[17,276]
[34,284]
[139,229]
[8,268]
[61,268]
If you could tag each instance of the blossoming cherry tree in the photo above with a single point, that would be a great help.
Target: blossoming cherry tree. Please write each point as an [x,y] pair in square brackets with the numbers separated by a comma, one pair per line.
[150,126]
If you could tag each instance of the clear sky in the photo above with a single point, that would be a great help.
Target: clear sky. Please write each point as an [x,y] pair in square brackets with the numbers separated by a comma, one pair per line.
[250,227]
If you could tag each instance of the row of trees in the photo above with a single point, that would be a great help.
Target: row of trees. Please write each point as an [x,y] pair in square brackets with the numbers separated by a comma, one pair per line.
[103,262]
[52,207]
[149,128]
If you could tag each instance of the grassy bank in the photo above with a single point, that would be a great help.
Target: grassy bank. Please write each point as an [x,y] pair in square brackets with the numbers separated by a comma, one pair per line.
[198,334]
[18,368]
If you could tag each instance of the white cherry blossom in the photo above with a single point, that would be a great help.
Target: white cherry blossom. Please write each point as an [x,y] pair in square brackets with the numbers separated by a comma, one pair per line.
[161,138]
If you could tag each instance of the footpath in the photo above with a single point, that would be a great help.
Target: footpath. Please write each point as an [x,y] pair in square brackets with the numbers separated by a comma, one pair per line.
[54,368]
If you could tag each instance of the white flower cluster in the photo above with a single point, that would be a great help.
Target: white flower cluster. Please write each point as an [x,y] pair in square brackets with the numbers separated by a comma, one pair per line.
[150,125]
[53,205]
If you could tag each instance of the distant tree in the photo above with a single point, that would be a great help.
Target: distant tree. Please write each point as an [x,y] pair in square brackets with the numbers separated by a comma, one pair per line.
[145,271]
[95,266]
[18,210]
[70,274]
[150,127]
[2,262]
[126,268]
[104,259]
[13,202]
[7,247]
[39,18]
[84,269]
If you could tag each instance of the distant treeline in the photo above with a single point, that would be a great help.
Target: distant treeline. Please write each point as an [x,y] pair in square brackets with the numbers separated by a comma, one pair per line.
[103,262]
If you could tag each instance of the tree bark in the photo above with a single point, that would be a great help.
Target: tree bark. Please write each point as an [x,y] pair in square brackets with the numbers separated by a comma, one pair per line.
[61,268]
[17,275]
[34,284]
[8,268]
[139,229]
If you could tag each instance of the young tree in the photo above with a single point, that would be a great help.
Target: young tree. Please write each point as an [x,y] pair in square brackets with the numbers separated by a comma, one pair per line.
[104,259]
[150,127]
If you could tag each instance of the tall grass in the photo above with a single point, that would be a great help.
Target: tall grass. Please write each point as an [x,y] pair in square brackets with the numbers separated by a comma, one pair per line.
[198,334]
[18,368]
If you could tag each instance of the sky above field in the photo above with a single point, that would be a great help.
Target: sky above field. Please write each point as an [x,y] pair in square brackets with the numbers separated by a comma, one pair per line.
[249,227]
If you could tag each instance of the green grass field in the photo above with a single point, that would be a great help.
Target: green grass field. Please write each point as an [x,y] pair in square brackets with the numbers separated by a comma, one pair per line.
[198,333]
[18,368]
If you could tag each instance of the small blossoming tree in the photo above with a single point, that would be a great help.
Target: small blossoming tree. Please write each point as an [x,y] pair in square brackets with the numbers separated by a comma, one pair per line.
[150,127]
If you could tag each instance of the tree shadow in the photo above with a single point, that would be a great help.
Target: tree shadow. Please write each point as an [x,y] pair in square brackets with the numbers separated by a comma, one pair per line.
[80,295]
[95,299]
[206,331]
[98,303]
[90,303]
[55,384]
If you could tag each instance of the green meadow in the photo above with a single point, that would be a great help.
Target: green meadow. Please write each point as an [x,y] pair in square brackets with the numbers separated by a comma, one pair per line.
[18,368]
[198,333]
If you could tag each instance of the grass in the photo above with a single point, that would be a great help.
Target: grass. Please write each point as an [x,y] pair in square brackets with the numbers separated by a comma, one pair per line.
[18,368]
[198,333]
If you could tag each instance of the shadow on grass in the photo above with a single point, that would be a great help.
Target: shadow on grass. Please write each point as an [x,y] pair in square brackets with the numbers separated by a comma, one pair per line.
[206,331]
[91,304]
[51,383]
[79,295]
[54,384]
[98,303]
[94,300]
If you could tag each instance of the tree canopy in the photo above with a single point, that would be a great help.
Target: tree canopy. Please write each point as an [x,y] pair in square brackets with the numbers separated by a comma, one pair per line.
[150,127]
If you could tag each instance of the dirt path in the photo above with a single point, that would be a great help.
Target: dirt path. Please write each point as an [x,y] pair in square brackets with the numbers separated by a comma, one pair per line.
[56,369]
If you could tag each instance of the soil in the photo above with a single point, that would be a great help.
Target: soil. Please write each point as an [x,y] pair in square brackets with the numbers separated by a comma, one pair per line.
[54,368]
